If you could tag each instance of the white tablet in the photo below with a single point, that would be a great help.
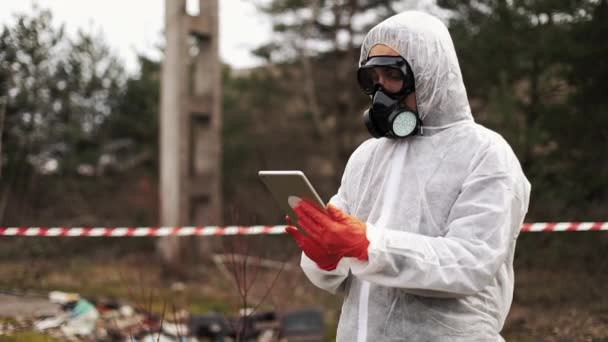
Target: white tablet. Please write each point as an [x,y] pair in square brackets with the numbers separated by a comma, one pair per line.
[283,184]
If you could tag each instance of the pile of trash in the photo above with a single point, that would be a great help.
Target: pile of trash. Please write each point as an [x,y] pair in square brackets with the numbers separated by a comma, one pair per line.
[81,319]
[13,325]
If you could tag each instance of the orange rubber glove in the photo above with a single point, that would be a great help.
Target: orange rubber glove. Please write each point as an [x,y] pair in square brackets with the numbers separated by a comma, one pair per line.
[335,231]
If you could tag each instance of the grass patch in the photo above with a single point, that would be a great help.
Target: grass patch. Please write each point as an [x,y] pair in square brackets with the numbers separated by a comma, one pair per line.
[28,336]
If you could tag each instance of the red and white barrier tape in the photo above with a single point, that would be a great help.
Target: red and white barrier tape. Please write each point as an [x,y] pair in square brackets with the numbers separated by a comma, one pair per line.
[239,230]
[140,231]
[564,226]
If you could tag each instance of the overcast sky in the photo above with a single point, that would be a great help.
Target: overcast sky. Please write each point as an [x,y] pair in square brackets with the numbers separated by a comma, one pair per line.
[132,26]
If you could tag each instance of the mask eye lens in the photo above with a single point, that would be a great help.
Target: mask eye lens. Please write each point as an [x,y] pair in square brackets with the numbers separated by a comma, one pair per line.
[393,74]
[367,80]
[390,79]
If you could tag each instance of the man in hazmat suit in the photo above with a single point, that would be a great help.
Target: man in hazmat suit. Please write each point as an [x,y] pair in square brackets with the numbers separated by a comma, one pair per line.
[421,233]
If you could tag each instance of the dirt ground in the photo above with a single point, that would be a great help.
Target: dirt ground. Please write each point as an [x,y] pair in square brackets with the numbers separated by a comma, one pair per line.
[567,302]
[25,306]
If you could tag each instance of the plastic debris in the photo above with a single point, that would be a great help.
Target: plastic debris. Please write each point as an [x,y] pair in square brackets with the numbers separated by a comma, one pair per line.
[90,320]
[63,298]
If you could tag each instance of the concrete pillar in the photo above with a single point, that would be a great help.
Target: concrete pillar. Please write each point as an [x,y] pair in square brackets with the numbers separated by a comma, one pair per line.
[190,124]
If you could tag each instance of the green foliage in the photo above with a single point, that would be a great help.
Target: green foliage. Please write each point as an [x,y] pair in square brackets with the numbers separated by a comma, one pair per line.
[58,91]
[534,69]
[71,110]
[254,113]
[136,113]
[314,114]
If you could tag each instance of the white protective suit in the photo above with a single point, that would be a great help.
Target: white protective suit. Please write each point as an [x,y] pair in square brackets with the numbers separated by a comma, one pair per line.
[443,210]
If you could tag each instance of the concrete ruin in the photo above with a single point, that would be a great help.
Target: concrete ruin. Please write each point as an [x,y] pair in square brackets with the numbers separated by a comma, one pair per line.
[191,121]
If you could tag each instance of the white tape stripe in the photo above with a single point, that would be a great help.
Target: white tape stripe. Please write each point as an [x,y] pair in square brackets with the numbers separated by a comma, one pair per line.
[33,231]
[584,226]
[163,231]
[277,230]
[537,227]
[231,230]
[141,231]
[209,231]
[560,227]
[75,232]
[119,231]
[255,230]
[54,231]
[11,231]
[97,231]
[184,231]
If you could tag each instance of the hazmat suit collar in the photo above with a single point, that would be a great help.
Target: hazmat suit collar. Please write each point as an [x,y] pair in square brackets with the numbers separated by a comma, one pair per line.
[424,41]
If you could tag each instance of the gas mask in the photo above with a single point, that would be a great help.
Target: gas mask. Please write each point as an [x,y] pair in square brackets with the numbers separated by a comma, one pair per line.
[389,80]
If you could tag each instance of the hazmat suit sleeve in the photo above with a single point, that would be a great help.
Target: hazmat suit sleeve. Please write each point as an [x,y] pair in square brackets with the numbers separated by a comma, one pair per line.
[329,280]
[480,229]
